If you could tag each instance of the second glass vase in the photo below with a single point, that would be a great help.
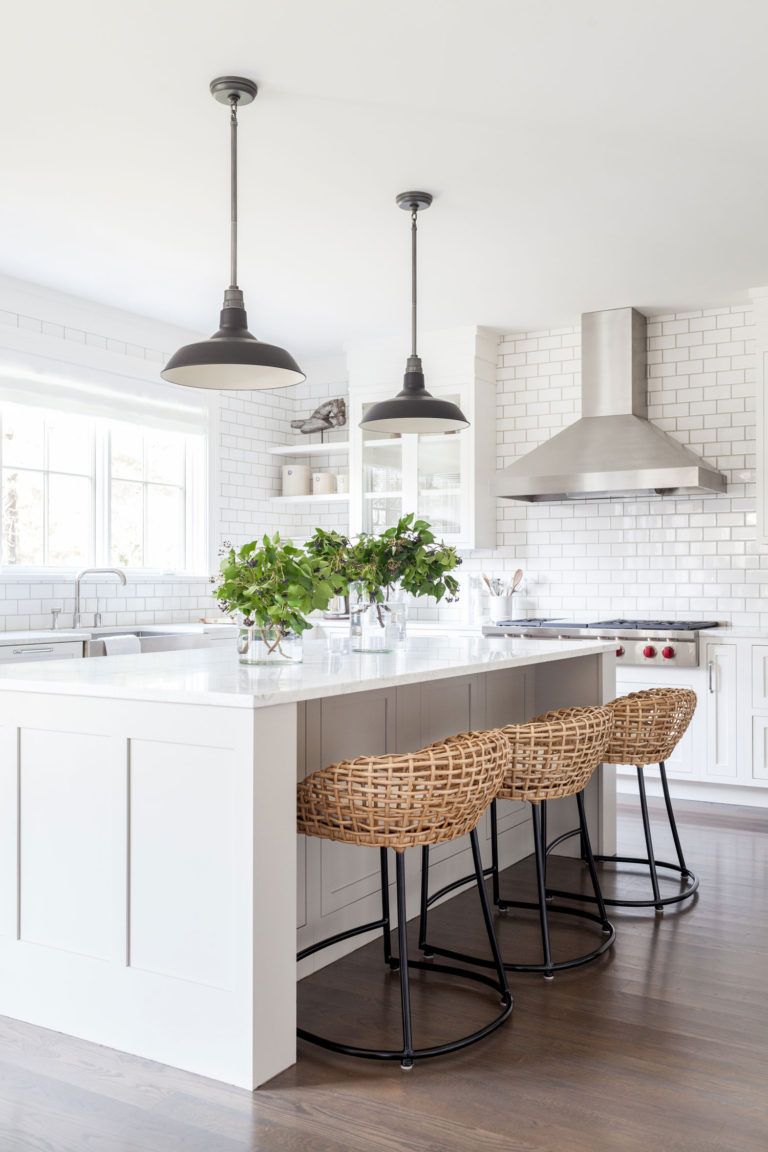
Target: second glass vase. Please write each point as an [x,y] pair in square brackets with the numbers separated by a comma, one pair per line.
[376,625]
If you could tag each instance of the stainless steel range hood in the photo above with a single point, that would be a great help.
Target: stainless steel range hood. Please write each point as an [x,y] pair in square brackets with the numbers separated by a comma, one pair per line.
[613,450]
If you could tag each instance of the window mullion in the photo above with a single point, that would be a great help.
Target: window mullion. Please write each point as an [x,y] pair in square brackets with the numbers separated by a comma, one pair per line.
[46,491]
[187,501]
[144,503]
[101,491]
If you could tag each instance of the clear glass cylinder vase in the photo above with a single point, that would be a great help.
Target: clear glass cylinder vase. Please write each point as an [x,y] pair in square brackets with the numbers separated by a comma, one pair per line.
[256,645]
[376,625]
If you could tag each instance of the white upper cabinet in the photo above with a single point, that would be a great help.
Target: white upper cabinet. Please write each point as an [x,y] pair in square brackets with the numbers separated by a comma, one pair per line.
[446,479]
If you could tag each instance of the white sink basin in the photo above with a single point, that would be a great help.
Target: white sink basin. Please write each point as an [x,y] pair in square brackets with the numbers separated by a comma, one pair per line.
[149,641]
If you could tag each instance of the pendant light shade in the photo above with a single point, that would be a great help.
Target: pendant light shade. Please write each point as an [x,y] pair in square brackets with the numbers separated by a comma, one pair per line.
[233,358]
[414,409]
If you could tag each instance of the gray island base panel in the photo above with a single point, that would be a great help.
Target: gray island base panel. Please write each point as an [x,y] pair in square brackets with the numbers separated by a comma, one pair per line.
[149,862]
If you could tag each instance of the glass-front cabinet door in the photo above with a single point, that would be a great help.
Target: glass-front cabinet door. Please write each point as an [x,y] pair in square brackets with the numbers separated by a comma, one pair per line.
[381,478]
[440,461]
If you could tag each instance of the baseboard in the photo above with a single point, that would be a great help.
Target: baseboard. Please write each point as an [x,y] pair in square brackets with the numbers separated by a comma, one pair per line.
[705,790]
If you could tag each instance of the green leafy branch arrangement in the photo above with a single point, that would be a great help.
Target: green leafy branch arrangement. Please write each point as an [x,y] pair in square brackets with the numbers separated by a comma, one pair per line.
[274,585]
[406,554]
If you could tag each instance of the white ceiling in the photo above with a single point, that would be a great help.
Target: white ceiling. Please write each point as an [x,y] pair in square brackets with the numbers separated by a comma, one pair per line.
[583,154]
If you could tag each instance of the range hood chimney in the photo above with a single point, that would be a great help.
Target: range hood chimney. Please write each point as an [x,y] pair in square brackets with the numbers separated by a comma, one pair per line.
[613,450]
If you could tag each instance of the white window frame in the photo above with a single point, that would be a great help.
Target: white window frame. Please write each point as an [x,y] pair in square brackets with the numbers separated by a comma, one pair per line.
[199,504]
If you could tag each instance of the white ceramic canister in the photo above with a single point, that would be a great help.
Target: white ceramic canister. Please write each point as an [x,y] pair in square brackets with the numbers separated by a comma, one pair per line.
[501,608]
[295,479]
[322,483]
[342,482]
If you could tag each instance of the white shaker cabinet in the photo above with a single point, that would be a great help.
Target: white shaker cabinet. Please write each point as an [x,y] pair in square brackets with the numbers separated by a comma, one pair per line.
[723,756]
[688,761]
[721,663]
[759,742]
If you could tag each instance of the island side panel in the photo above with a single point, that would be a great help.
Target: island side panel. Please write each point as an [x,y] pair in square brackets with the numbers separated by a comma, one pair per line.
[274,885]
[127,910]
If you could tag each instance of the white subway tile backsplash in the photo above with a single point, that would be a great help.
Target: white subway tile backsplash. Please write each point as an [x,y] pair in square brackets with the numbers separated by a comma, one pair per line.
[664,556]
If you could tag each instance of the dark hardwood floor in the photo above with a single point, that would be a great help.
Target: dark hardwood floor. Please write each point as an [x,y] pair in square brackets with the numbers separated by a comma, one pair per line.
[662,1045]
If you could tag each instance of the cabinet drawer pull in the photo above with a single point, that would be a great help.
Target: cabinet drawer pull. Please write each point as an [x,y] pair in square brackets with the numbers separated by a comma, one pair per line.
[710,675]
[24,651]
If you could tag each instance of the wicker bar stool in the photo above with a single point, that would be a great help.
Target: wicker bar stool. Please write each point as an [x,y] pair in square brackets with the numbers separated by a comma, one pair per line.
[550,758]
[647,727]
[398,802]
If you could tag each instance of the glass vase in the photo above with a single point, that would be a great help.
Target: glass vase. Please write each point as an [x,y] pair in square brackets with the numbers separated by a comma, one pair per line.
[376,626]
[256,645]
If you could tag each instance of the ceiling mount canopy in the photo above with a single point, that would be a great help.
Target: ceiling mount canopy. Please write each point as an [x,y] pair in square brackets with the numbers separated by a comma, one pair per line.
[414,409]
[232,358]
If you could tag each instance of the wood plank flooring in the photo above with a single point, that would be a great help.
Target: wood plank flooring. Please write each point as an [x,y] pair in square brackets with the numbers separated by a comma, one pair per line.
[662,1045]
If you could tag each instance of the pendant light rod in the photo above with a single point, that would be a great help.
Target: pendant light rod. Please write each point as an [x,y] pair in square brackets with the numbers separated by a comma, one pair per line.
[414,202]
[233,102]
[235,91]
[414,214]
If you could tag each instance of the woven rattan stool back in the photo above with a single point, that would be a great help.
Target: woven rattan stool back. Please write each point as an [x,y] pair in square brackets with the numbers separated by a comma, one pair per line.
[555,754]
[423,797]
[647,726]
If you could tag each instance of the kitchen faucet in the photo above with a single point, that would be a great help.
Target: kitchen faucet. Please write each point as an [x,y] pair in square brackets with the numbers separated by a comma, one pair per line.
[86,572]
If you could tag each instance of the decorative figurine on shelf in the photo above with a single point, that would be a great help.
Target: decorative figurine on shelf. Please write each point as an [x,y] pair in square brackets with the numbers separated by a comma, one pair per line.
[331,414]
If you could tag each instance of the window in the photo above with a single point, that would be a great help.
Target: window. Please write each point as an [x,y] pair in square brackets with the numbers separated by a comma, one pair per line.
[80,490]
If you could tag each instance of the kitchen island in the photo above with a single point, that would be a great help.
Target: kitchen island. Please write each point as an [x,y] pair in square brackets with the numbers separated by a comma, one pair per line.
[149,864]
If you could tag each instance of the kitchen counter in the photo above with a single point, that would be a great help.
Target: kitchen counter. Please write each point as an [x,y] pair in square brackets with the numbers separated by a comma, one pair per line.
[205,676]
[150,871]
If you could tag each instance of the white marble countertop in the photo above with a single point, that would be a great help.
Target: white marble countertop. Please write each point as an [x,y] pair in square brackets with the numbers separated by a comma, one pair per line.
[214,676]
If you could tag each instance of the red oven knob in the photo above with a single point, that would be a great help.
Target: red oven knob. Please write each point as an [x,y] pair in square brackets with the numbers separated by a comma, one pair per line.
[668,652]
[649,651]
[619,651]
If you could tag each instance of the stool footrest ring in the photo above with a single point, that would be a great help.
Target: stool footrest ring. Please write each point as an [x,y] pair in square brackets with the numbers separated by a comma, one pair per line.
[677,898]
[555,965]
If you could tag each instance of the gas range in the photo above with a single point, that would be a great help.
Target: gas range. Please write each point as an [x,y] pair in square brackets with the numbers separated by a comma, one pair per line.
[660,643]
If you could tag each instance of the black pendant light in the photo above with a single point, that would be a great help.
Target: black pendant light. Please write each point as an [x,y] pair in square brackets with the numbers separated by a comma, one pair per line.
[232,357]
[414,409]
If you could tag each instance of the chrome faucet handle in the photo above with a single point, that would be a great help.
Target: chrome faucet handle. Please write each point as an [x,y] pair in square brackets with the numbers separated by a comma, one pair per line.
[55,618]
[97,619]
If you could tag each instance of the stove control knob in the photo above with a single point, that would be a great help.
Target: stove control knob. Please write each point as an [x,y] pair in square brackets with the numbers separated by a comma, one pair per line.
[649,651]
[668,652]
[620,650]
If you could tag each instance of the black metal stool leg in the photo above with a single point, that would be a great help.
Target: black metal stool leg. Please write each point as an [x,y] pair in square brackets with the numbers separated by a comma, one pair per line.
[540,850]
[672,822]
[402,944]
[424,903]
[543,810]
[495,857]
[587,843]
[386,927]
[506,995]
[648,840]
